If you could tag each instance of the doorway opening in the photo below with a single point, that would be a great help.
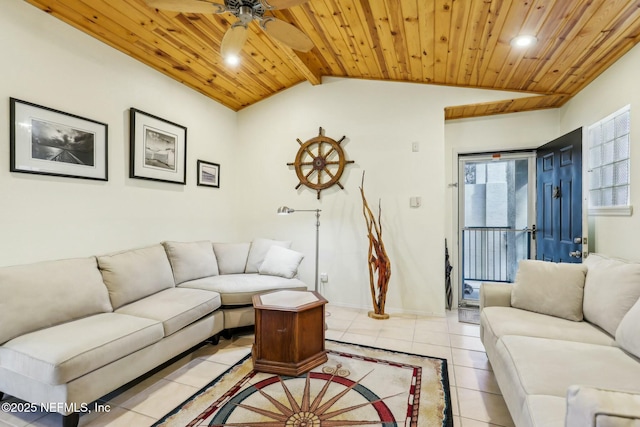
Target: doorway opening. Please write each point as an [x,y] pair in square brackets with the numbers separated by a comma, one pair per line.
[496,218]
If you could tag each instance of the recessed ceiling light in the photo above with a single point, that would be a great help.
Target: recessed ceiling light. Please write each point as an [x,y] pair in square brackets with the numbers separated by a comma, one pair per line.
[232,60]
[523,41]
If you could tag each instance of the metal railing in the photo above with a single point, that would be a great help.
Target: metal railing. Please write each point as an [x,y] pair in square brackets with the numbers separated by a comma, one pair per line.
[492,253]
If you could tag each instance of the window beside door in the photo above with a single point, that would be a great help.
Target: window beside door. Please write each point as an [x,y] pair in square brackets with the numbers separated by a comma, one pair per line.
[609,165]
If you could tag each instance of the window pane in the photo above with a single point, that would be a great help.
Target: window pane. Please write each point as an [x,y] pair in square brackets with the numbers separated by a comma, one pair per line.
[622,124]
[607,153]
[622,148]
[595,136]
[607,197]
[594,198]
[621,195]
[607,176]
[594,179]
[621,173]
[469,173]
[608,129]
[595,159]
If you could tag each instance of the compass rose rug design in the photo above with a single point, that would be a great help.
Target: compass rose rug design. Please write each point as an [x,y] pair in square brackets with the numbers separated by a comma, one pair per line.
[357,386]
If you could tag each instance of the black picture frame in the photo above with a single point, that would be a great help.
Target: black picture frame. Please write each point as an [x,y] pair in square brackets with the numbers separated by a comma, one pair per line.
[157,148]
[45,141]
[208,174]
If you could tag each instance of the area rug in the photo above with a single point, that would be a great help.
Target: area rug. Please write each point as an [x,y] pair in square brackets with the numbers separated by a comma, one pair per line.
[357,386]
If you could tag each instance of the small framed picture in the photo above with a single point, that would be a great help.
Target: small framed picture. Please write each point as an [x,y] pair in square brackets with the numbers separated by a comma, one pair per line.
[45,141]
[158,148]
[208,174]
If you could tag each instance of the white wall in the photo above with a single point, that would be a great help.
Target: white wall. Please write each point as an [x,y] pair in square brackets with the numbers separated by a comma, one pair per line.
[49,63]
[380,121]
[517,131]
[617,87]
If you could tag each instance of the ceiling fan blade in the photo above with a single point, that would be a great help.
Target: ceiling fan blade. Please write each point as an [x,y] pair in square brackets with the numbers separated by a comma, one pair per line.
[281,4]
[287,34]
[233,40]
[187,6]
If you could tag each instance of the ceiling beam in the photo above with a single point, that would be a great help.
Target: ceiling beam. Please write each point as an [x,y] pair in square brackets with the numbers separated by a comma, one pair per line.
[506,106]
[305,63]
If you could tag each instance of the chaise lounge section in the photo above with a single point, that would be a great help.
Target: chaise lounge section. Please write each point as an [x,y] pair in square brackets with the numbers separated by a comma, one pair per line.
[74,330]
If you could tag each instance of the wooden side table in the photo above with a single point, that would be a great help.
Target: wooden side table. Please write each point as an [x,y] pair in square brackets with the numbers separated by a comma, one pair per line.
[289,328]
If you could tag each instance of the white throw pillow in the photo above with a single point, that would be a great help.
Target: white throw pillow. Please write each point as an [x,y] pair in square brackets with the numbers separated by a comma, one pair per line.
[258,250]
[611,288]
[627,335]
[591,406]
[550,288]
[281,262]
[232,257]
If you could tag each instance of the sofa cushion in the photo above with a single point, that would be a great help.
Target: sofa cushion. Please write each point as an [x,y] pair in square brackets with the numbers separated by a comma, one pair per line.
[191,260]
[611,288]
[550,288]
[258,251]
[232,257]
[541,366]
[239,289]
[64,352]
[628,334]
[135,274]
[281,262]
[45,294]
[175,307]
[500,321]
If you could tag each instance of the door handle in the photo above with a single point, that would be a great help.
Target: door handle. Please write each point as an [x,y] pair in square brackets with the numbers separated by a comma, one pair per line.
[532,231]
[577,240]
[575,254]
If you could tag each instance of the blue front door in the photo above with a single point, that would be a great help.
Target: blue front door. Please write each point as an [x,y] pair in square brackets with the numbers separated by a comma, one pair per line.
[559,199]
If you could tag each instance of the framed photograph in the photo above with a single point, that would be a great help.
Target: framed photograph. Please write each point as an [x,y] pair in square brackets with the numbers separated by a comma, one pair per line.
[208,174]
[45,141]
[158,148]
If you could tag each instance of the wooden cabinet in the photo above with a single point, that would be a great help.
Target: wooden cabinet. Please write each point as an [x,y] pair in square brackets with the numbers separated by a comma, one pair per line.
[289,328]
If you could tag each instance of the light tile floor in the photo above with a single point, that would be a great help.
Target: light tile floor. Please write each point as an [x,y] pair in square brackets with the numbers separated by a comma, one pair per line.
[475,395]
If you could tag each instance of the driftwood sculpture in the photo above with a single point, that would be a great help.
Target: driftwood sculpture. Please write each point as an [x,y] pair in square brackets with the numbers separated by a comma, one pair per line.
[379,264]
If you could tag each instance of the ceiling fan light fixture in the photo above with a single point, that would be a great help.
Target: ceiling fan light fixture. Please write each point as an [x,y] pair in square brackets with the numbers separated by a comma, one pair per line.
[232,60]
[524,40]
[232,43]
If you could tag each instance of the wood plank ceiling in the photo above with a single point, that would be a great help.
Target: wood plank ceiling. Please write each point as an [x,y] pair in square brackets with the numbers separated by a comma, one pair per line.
[445,42]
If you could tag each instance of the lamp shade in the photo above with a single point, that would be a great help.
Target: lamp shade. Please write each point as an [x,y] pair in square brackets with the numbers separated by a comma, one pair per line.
[283,210]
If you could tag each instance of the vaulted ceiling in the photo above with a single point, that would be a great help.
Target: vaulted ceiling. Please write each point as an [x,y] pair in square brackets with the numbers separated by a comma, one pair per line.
[447,42]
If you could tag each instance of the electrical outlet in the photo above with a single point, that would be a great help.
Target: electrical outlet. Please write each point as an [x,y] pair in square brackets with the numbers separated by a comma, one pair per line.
[324,277]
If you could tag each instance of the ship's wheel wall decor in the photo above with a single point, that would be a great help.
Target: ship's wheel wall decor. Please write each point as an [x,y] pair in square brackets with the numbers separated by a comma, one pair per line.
[320,162]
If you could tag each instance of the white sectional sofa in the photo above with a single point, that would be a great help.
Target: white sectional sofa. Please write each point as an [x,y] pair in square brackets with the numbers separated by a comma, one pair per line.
[564,342]
[74,330]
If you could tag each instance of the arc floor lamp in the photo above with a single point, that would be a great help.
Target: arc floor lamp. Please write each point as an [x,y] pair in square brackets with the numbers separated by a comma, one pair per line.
[283,210]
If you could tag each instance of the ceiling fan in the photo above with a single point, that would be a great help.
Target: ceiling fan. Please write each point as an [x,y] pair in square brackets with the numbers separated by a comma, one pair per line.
[246,11]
